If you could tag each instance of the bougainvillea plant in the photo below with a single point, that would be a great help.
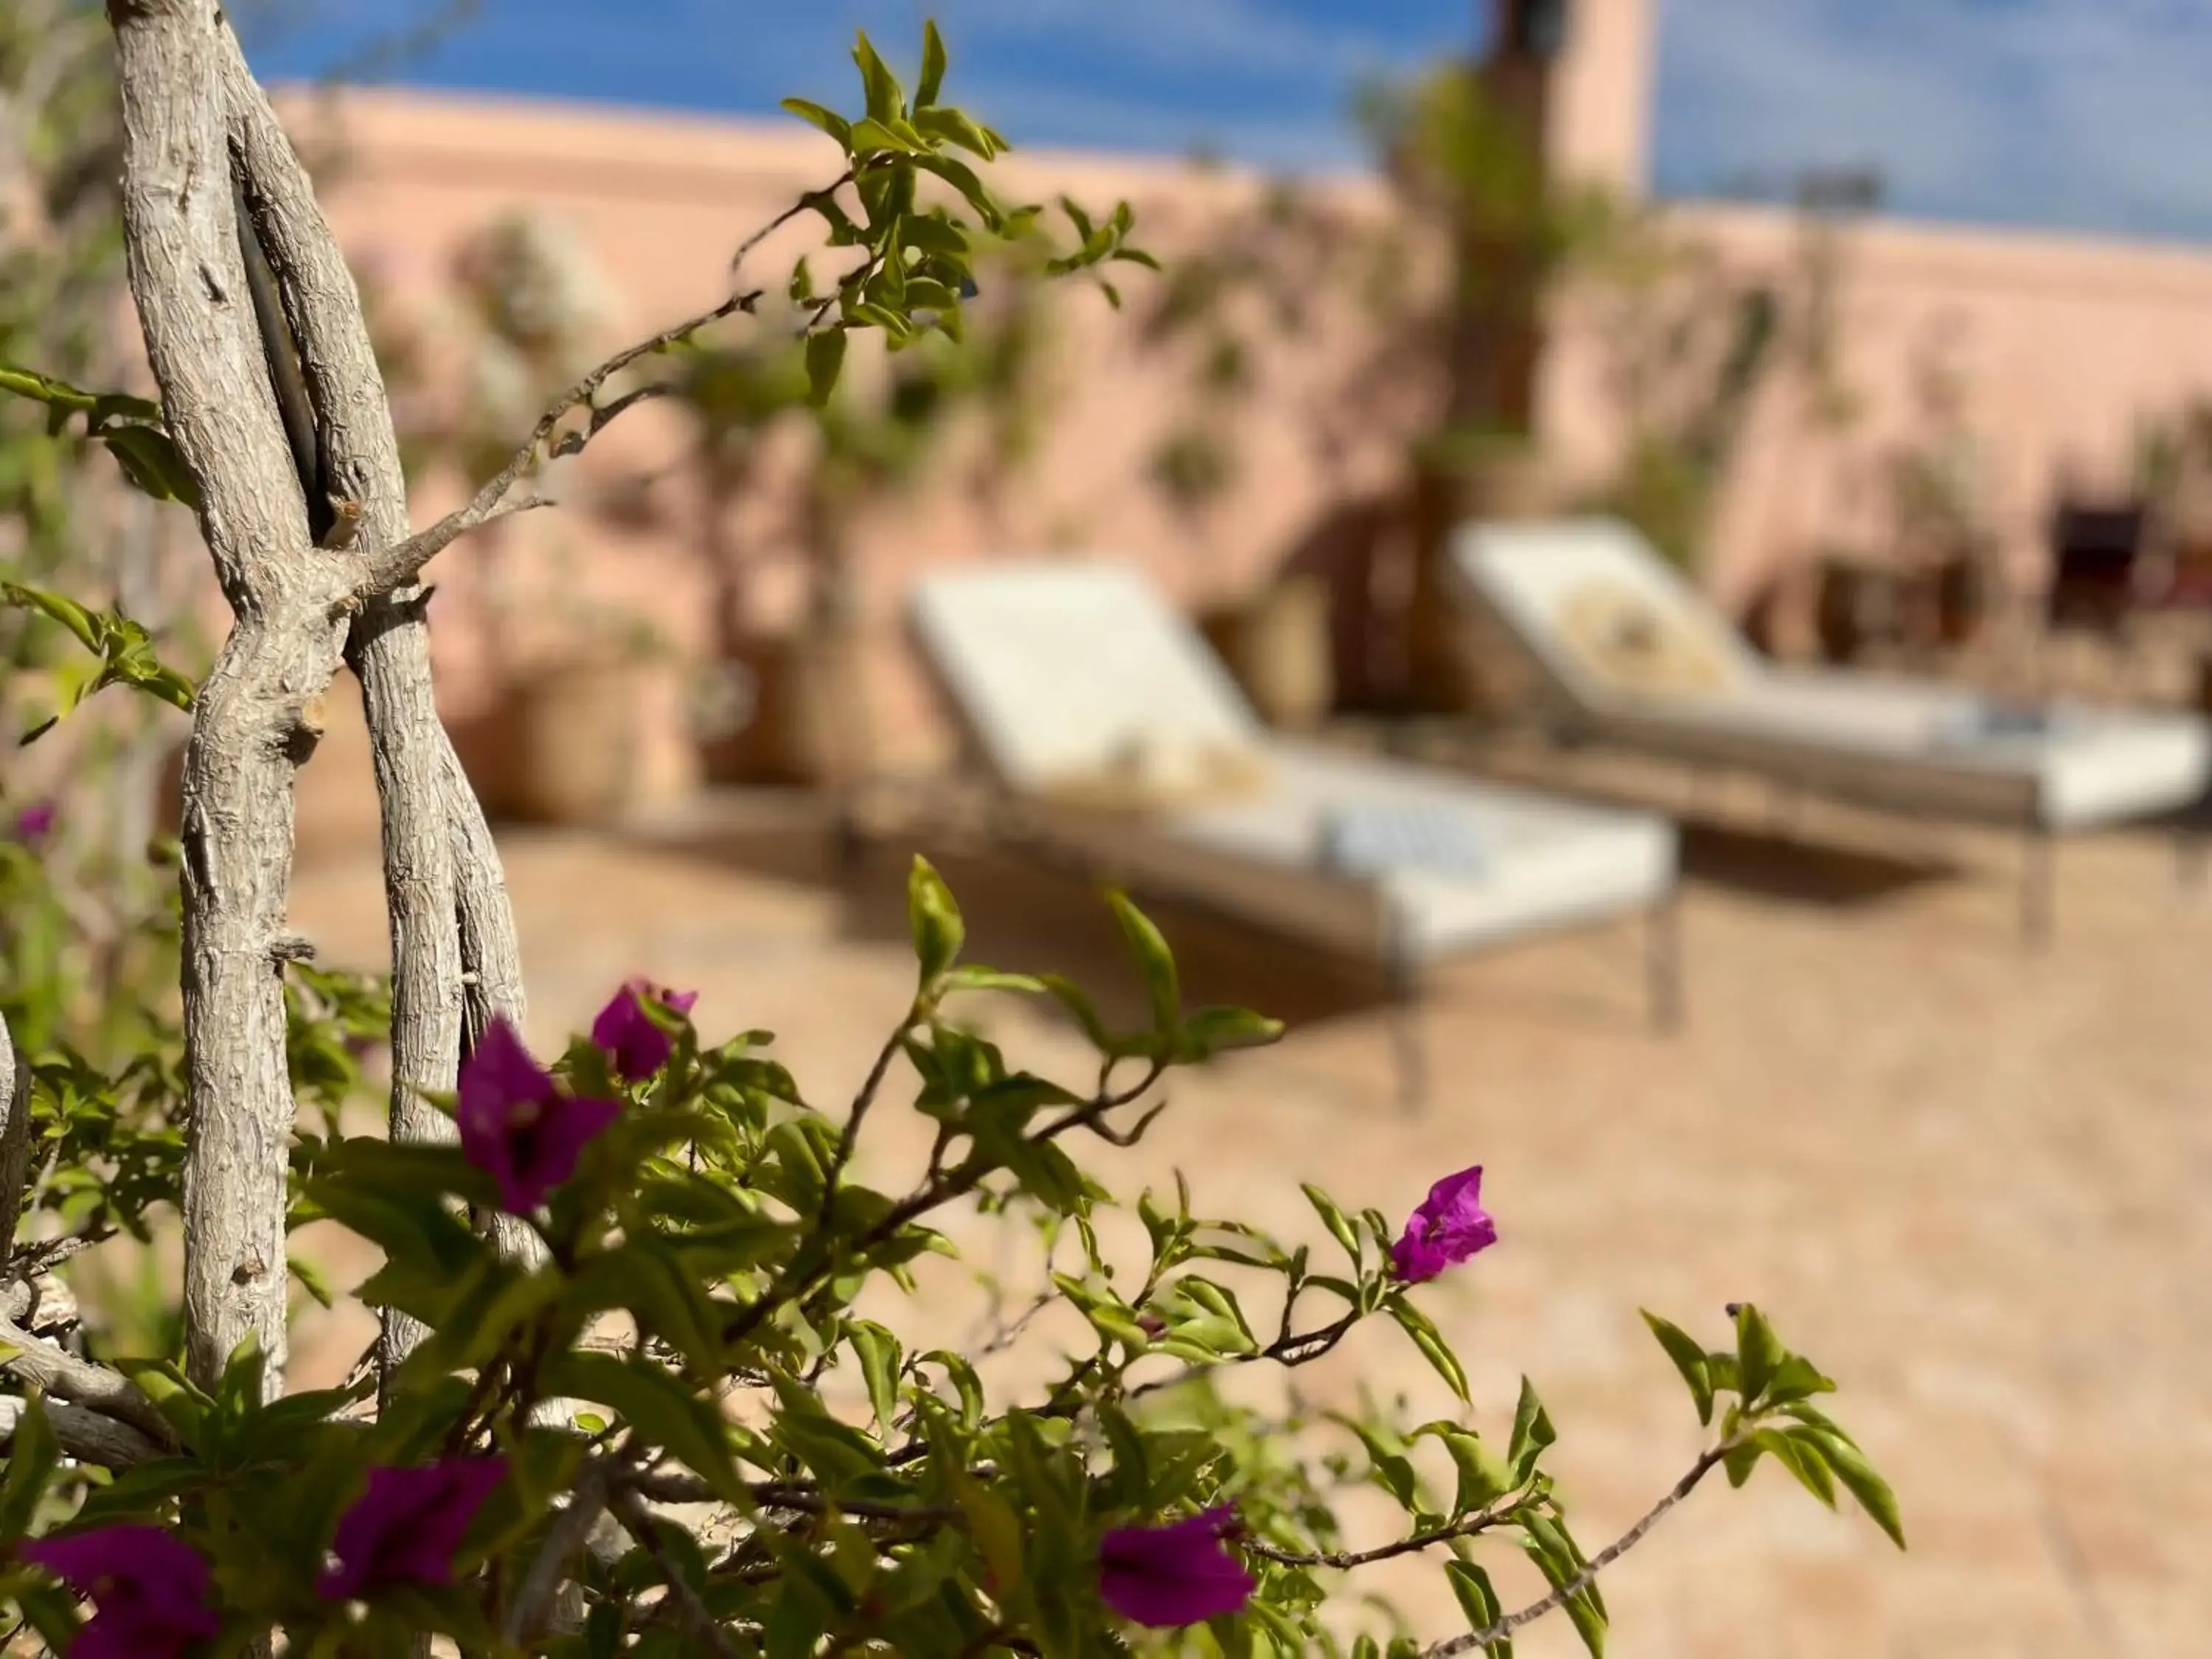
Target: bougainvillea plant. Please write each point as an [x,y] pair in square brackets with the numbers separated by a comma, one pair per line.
[659,1373]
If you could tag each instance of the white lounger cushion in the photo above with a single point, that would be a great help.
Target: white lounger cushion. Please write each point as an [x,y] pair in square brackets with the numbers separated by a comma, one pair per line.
[1056,666]
[1894,742]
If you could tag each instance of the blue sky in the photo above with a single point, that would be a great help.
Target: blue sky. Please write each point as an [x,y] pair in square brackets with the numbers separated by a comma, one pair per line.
[2092,115]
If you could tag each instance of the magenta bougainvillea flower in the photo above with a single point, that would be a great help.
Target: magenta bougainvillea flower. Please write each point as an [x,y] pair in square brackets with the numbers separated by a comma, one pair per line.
[636,1045]
[407,1525]
[1449,1228]
[518,1125]
[35,822]
[1179,1574]
[149,1591]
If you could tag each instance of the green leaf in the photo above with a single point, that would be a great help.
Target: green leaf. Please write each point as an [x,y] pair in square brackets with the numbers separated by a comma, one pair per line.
[825,357]
[933,920]
[663,1412]
[1760,1352]
[1689,1359]
[1078,1002]
[1425,1337]
[1806,1459]
[1560,1563]
[885,102]
[1797,1378]
[1392,1471]
[1477,1600]
[995,1527]
[150,460]
[871,137]
[1532,1433]
[65,610]
[1210,1031]
[44,388]
[311,1280]
[32,1453]
[1740,1459]
[827,119]
[1872,1492]
[1154,961]
[971,977]
[950,126]
[1333,1217]
[878,1351]
[962,178]
[933,64]
[649,1278]
[1482,1478]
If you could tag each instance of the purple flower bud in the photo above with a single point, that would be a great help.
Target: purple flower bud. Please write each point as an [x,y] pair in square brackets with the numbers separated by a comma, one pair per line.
[517,1126]
[1183,1573]
[407,1526]
[636,1045]
[1449,1227]
[35,822]
[150,1590]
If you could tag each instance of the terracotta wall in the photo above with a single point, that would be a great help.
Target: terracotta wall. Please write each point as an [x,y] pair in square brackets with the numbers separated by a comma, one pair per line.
[2065,343]
[2061,344]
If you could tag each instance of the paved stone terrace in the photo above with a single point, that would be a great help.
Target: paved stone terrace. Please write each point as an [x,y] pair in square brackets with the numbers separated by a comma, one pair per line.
[1967,1180]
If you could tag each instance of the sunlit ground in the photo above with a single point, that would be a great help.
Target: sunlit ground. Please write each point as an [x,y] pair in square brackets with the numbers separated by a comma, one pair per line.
[1966,1180]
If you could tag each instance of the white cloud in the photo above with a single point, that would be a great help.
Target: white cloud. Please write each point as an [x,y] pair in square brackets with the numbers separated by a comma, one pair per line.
[2087,113]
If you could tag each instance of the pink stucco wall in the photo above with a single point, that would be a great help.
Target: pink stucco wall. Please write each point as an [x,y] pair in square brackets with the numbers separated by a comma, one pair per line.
[2064,344]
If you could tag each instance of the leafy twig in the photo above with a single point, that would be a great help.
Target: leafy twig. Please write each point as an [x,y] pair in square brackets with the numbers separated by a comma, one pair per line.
[1605,1558]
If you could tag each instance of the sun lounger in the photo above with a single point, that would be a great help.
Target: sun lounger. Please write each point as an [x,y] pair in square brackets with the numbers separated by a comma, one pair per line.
[1629,655]
[1124,745]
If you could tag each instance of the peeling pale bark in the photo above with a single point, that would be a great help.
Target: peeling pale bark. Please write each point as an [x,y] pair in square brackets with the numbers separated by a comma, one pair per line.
[389,649]
[263,706]
[451,927]
[14,1137]
[255,721]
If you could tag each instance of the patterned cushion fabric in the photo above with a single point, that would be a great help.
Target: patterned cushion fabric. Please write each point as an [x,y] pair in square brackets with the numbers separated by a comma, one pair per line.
[1152,772]
[1639,647]
[1373,841]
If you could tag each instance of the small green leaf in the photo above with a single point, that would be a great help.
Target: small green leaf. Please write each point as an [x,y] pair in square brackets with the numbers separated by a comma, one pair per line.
[1416,1325]
[878,1351]
[933,920]
[150,460]
[825,357]
[32,1453]
[933,64]
[67,611]
[827,119]
[1154,961]
[311,1280]
[1532,1433]
[44,388]
[1807,1459]
[1740,1459]
[1797,1378]
[1209,1031]
[663,1412]
[1689,1359]
[1760,1352]
[1850,1467]
[1477,1600]
[974,978]
[885,102]
[1561,1563]
[1333,1217]
[995,1527]
[950,127]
